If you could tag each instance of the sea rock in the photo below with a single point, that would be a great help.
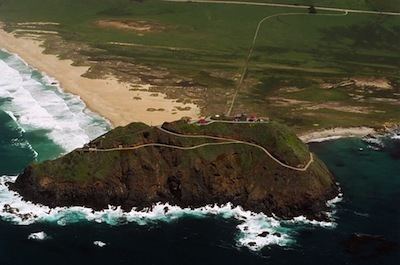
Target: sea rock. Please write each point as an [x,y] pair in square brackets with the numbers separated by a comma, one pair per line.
[277,234]
[263,234]
[104,173]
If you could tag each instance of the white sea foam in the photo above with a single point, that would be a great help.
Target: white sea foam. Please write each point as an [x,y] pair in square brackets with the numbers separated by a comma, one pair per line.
[255,230]
[99,243]
[38,236]
[36,104]
[331,203]
[9,113]
[376,142]
[19,141]
[324,139]
[396,136]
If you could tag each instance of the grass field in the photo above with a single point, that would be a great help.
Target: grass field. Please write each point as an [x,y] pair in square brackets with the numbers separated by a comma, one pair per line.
[296,73]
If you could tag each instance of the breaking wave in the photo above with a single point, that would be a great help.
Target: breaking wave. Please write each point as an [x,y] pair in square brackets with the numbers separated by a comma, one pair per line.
[36,102]
[396,135]
[255,230]
[39,236]
[19,140]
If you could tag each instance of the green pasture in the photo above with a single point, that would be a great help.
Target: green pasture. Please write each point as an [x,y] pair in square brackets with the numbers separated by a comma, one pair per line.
[201,40]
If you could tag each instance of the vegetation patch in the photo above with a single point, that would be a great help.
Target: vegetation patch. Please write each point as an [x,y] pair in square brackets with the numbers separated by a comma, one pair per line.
[139,26]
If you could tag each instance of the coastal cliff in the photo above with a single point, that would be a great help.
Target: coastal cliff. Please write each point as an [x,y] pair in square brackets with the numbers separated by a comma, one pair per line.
[262,167]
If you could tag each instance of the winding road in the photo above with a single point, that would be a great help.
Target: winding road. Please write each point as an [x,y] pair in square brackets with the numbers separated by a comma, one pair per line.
[246,64]
[357,11]
[227,141]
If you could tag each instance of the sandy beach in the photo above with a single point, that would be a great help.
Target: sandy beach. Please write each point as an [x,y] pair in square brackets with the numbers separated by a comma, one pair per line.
[108,97]
[336,133]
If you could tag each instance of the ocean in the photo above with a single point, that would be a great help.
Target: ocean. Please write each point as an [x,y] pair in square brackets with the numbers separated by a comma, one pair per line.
[38,121]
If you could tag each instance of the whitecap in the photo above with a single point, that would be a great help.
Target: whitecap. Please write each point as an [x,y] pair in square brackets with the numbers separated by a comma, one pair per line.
[39,236]
[20,141]
[99,243]
[331,203]
[395,136]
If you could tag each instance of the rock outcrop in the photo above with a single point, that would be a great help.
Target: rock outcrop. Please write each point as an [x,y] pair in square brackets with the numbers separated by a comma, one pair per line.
[241,174]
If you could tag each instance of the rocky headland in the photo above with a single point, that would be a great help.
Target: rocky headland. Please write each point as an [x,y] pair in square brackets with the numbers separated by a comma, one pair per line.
[138,166]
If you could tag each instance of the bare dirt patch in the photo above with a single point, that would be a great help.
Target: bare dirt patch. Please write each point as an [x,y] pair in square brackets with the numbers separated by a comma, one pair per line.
[361,82]
[379,83]
[291,89]
[139,26]
[285,102]
[34,31]
[392,101]
[339,107]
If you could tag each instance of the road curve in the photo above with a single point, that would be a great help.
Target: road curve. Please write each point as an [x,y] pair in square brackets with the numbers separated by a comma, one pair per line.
[227,141]
[246,64]
[387,13]
[234,141]
[203,145]
[195,135]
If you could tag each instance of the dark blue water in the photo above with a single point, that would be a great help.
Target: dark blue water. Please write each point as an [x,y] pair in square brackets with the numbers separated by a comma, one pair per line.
[371,185]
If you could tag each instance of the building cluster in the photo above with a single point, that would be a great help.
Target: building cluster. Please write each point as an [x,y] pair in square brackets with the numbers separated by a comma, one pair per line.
[239,118]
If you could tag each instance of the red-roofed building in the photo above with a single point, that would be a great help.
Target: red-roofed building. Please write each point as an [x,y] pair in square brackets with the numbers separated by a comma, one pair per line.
[202,121]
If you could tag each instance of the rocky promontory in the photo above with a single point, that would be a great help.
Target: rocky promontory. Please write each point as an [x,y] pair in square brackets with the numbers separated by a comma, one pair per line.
[138,166]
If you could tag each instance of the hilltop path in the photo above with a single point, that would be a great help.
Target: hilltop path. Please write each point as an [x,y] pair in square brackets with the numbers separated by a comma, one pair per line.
[227,142]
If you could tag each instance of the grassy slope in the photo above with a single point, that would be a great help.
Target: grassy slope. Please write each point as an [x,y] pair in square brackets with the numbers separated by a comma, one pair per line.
[277,138]
[301,51]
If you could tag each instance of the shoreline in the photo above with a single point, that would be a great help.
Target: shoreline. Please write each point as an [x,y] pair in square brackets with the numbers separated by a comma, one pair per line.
[114,101]
[108,97]
[336,133]
[35,213]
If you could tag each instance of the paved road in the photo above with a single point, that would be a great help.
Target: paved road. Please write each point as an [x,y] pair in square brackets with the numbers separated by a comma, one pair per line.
[227,141]
[290,6]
